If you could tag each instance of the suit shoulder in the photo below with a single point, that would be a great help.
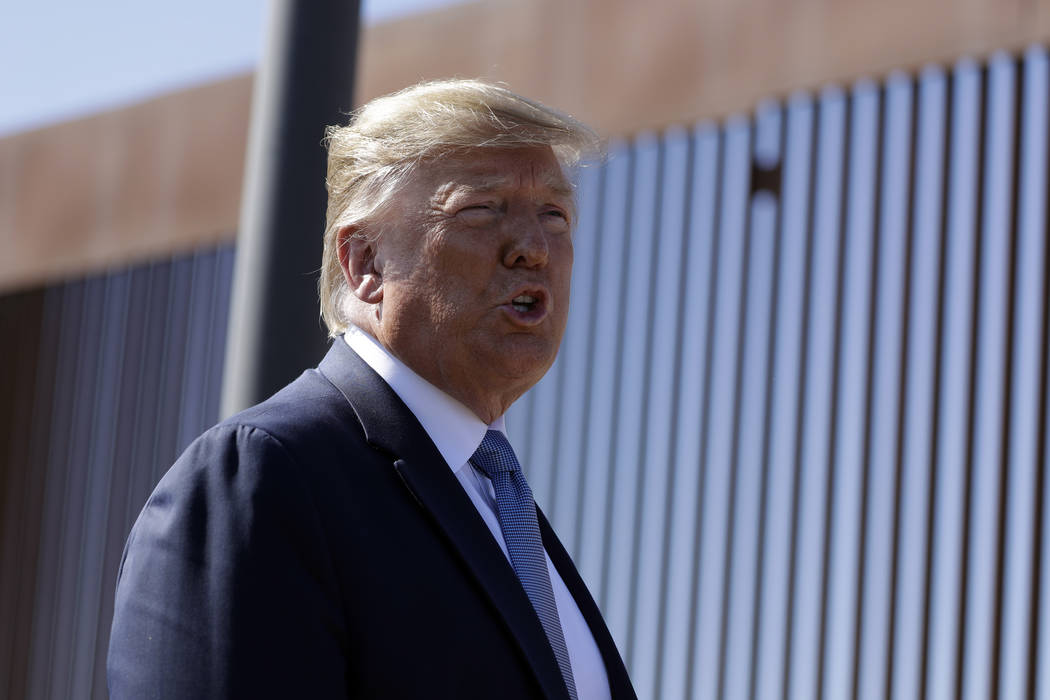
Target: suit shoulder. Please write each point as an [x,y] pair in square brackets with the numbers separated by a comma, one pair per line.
[306,414]
[305,428]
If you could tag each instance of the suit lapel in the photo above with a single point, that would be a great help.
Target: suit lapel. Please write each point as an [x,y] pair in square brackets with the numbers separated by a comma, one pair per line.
[391,427]
[619,681]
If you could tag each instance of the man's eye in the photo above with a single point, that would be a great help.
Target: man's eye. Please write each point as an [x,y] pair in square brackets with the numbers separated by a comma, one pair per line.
[557,214]
[478,215]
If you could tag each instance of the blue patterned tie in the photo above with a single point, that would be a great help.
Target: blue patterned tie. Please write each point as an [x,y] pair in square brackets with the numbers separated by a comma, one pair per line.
[517,518]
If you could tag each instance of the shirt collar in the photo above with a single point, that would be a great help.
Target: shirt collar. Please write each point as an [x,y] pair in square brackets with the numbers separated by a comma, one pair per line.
[454,429]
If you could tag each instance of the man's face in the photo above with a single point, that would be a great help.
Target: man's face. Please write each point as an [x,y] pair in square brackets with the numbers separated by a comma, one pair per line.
[476,258]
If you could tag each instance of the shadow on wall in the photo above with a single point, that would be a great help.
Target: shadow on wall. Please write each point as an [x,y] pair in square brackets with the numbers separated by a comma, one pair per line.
[103,382]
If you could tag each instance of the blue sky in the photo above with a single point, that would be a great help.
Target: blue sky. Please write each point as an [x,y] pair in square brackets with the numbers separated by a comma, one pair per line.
[67,58]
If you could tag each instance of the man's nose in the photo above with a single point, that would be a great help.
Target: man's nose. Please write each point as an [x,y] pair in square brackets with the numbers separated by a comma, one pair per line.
[527,245]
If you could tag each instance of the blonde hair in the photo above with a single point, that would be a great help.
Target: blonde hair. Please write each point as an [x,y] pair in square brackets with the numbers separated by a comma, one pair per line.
[372,157]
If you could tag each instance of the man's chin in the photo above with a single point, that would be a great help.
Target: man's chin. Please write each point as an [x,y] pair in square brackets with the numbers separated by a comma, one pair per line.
[526,361]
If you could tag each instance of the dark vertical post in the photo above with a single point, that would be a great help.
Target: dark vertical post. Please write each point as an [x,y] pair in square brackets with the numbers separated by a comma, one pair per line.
[305,82]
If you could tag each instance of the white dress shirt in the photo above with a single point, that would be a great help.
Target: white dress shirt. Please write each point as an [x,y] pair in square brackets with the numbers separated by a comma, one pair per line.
[457,432]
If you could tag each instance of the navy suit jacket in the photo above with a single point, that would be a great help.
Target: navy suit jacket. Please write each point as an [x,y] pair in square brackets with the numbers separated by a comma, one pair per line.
[318,546]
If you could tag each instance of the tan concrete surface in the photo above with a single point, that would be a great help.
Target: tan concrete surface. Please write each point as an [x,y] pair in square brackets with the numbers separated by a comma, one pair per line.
[623,65]
[126,185]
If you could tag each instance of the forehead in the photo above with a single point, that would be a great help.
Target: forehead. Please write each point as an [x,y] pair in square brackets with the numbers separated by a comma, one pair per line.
[494,169]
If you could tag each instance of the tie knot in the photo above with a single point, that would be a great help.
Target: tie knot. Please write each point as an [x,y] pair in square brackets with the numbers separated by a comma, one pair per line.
[495,455]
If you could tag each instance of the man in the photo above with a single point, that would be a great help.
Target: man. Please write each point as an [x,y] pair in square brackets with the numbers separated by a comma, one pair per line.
[367,532]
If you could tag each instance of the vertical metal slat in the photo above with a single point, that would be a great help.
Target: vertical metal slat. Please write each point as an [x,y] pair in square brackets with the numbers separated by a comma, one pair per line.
[714,515]
[632,418]
[991,352]
[919,385]
[612,270]
[693,381]
[946,572]
[654,458]
[890,287]
[803,649]
[1018,535]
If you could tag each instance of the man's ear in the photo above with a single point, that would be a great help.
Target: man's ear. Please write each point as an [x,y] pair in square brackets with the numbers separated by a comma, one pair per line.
[357,257]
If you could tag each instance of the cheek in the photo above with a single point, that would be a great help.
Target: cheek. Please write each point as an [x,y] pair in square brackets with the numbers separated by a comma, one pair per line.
[562,261]
[460,255]
[450,298]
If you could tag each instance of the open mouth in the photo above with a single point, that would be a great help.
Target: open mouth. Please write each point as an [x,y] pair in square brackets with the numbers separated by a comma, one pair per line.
[524,302]
[528,307]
